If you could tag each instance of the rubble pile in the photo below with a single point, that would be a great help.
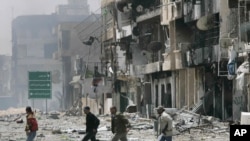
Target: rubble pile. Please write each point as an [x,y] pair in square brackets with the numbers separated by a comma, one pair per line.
[192,126]
[12,111]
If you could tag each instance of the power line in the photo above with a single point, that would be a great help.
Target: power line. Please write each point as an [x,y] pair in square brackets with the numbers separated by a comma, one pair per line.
[96,29]
[90,24]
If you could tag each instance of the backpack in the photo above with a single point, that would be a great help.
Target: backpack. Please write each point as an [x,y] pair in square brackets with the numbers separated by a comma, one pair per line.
[97,122]
[33,126]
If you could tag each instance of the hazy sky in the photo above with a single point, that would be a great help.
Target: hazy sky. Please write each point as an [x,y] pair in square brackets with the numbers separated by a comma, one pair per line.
[10,9]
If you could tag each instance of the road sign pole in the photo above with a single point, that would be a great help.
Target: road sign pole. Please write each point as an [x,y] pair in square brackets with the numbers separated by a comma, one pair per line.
[33,104]
[46,108]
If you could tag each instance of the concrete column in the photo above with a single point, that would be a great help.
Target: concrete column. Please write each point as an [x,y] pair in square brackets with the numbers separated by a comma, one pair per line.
[138,98]
[173,90]
[223,100]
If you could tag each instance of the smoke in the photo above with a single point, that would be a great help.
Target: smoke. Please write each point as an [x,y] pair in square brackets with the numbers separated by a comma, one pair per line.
[11,9]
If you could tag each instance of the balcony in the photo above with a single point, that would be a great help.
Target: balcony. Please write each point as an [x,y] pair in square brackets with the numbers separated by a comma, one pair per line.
[148,68]
[202,55]
[149,15]
[145,9]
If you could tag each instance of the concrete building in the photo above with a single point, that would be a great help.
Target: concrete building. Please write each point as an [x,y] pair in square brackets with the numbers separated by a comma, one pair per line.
[178,54]
[5,75]
[74,55]
[74,7]
[34,45]
[6,96]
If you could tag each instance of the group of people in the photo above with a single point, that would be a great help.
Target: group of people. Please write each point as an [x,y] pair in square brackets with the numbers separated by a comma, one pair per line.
[119,125]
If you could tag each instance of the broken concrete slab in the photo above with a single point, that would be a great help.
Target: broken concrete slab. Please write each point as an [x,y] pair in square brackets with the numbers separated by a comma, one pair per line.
[131,109]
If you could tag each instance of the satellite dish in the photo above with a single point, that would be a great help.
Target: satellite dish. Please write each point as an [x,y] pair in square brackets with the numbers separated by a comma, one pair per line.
[121,4]
[136,31]
[205,22]
[155,46]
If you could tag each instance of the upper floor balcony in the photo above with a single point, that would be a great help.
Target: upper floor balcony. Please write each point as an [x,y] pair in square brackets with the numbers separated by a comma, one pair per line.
[145,10]
[140,9]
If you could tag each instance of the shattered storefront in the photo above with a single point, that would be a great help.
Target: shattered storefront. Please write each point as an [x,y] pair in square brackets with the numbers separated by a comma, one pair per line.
[128,90]
[218,96]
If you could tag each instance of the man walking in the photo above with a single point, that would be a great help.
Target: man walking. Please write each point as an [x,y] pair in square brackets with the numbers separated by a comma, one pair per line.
[92,123]
[119,125]
[165,125]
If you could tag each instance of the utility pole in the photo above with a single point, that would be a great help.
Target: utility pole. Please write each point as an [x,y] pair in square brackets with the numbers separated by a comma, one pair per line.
[95,87]
[248,61]
[114,65]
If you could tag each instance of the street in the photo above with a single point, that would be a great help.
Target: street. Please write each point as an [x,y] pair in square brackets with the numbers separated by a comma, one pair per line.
[59,127]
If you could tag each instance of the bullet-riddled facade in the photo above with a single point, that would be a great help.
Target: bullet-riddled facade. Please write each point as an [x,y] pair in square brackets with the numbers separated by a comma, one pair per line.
[182,53]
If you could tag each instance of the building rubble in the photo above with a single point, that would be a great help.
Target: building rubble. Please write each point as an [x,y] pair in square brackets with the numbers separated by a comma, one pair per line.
[188,126]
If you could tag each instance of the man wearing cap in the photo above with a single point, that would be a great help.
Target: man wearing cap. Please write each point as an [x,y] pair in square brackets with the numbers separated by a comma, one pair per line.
[92,123]
[165,125]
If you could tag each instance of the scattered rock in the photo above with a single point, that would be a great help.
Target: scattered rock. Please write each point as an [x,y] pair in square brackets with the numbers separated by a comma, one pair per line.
[56,131]
[19,121]
[40,136]
[54,115]
[81,131]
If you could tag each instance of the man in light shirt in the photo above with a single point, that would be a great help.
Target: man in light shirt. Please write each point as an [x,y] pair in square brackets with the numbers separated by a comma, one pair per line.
[165,125]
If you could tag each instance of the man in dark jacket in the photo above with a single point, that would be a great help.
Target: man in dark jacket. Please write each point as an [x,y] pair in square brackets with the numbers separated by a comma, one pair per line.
[92,123]
[119,125]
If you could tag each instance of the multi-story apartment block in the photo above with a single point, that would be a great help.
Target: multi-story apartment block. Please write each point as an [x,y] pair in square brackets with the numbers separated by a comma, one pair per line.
[178,53]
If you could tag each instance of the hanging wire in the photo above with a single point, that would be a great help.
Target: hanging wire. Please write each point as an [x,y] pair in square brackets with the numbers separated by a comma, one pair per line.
[93,51]
[91,23]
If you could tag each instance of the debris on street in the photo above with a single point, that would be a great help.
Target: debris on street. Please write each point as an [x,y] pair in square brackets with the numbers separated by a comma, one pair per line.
[58,126]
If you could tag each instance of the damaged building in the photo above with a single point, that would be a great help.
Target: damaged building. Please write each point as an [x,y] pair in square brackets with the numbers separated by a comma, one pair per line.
[177,53]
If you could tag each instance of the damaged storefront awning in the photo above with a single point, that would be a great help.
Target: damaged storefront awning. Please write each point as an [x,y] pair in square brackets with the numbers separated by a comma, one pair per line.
[76,80]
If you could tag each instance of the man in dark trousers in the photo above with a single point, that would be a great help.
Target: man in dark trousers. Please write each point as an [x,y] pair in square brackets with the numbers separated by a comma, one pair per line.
[92,123]
[119,125]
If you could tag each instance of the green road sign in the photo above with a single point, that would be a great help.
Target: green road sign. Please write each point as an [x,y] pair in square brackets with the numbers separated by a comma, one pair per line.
[39,94]
[39,76]
[39,85]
